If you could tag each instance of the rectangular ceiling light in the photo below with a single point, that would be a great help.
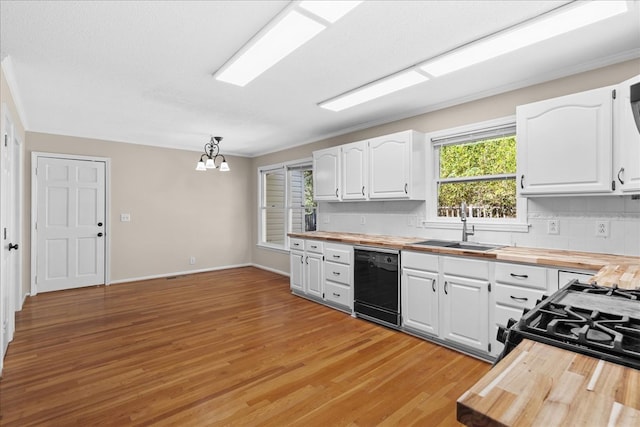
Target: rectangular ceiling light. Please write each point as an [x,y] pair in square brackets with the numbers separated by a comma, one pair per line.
[282,38]
[543,28]
[330,11]
[374,90]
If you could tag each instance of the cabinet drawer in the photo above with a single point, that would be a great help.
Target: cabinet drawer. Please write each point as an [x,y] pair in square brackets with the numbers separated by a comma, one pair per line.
[337,272]
[296,244]
[337,293]
[314,246]
[522,275]
[515,296]
[338,253]
[503,314]
[462,267]
[419,261]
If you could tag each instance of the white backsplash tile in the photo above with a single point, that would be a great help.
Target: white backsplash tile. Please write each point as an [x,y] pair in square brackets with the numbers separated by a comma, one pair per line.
[577,217]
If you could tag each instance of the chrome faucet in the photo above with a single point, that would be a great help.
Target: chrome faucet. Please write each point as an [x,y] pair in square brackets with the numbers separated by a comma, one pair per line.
[463,218]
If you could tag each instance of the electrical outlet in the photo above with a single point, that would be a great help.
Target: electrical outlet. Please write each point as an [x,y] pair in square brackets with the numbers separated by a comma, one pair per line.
[192,260]
[553,226]
[363,220]
[411,221]
[125,217]
[602,228]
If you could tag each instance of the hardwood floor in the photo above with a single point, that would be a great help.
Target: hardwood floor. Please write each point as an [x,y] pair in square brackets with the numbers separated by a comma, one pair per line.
[232,347]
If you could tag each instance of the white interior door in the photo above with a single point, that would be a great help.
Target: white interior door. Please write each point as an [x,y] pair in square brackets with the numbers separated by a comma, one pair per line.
[70,223]
[10,232]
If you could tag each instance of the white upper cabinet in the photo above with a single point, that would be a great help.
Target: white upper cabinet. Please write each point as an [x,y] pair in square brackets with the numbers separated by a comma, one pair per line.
[326,174]
[355,171]
[565,144]
[397,166]
[390,167]
[626,139]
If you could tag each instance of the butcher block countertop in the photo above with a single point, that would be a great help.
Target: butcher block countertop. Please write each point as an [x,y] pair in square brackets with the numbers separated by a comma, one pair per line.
[540,385]
[623,271]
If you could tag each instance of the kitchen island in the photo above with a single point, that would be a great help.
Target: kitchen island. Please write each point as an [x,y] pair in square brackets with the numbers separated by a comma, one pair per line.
[541,385]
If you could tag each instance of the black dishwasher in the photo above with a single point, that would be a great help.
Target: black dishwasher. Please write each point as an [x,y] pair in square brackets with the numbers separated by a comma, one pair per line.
[376,283]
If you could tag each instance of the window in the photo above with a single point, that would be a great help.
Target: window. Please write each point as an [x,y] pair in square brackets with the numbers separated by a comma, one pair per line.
[286,203]
[476,166]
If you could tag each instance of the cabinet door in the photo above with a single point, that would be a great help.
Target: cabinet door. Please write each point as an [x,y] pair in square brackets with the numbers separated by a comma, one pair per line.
[326,174]
[465,317]
[565,144]
[390,166]
[355,171]
[420,300]
[626,140]
[296,278]
[314,276]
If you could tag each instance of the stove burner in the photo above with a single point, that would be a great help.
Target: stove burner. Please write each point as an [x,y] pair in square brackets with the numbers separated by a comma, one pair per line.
[593,335]
[613,290]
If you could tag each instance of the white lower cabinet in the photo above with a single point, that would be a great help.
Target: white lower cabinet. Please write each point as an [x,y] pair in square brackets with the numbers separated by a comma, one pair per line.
[338,278]
[322,271]
[307,267]
[517,287]
[465,318]
[420,293]
[447,298]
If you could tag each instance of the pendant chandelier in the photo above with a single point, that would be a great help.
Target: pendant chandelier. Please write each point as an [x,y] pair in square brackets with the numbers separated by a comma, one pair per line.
[210,156]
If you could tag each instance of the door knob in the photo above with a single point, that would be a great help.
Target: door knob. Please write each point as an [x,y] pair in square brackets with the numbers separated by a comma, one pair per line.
[12,246]
[99,224]
[100,234]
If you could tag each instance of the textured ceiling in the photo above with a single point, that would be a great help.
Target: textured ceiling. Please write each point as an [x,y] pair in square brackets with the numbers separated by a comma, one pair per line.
[141,71]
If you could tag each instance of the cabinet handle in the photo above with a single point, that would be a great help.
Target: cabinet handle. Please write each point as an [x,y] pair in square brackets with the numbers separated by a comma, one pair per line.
[336,273]
[335,294]
[445,288]
[433,284]
[521,299]
[406,186]
[521,181]
[519,276]
[336,256]
[314,247]
[620,179]
[306,261]
[296,244]
[301,259]
[336,193]
[363,190]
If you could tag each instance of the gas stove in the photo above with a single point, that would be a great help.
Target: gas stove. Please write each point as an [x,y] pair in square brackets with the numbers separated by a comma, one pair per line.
[599,321]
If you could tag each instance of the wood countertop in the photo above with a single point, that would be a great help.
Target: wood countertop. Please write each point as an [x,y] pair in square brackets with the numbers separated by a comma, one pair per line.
[608,269]
[540,385]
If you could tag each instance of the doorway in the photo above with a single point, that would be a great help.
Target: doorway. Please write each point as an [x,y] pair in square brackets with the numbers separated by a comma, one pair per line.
[69,246]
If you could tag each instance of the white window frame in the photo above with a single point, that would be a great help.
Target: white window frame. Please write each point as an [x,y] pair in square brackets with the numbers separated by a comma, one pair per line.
[518,224]
[284,167]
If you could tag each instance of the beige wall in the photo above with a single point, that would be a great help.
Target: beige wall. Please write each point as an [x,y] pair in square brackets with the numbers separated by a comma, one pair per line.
[176,212]
[7,101]
[472,112]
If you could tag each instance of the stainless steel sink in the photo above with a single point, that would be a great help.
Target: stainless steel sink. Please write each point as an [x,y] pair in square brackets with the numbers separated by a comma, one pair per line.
[458,245]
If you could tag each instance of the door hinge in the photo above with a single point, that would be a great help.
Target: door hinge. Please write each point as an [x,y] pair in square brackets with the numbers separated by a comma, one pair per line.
[489,287]
[613,94]
[323,257]
[489,346]
[6,140]
[4,233]
[613,185]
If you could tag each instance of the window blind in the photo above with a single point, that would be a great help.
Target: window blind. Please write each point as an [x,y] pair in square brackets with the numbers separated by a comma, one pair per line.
[477,135]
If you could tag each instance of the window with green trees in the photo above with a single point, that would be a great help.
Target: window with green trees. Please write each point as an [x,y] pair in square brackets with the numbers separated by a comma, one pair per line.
[480,172]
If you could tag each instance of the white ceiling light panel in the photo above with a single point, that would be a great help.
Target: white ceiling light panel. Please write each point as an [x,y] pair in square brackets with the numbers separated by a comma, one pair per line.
[375,90]
[537,30]
[329,10]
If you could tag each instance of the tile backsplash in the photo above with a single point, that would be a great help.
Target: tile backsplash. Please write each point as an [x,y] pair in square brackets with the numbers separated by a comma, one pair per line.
[576,216]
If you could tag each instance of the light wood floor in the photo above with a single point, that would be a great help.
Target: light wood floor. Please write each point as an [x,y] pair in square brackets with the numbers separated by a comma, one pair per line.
[232,347]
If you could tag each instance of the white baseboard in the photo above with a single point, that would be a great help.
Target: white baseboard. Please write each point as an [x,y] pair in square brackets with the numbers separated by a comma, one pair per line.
[24,298]
[273,270]
[178,273]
